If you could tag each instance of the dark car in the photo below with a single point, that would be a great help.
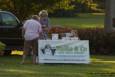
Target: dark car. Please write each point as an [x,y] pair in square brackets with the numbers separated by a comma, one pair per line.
[10,31]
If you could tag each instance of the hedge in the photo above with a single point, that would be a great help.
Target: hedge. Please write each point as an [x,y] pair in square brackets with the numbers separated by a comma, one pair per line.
[100,42]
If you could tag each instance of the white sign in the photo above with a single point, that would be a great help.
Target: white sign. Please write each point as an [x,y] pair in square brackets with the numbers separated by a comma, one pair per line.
[54,36]
[64,51]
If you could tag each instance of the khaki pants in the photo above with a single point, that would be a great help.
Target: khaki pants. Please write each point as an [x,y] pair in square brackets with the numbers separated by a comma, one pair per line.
[31,45]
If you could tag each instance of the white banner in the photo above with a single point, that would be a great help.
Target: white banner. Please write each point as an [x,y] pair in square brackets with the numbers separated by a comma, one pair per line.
[64,51]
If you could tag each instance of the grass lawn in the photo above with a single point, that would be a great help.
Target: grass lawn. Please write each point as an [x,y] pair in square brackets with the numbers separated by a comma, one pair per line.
[100,66]
[81,21]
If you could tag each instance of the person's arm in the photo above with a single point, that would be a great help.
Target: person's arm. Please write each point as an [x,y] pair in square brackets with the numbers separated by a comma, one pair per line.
[23,29]
[40,29]
[48,23]
[23,32]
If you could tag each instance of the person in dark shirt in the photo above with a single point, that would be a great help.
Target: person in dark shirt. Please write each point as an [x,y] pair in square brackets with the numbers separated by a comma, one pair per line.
[44,21]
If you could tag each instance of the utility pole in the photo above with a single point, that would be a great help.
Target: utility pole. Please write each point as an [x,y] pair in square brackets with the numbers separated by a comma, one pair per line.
[109,15]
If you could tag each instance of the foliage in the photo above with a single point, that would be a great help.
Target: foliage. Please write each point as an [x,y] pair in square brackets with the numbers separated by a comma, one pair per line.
[88,5]
[100,42]
[2,46]
[25,8]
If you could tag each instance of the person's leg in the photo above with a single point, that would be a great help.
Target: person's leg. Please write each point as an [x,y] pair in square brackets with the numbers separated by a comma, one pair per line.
[37,51]
[34,50]
[25,51]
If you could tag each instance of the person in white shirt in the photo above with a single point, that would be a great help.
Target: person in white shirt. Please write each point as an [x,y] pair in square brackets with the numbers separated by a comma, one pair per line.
[31,32]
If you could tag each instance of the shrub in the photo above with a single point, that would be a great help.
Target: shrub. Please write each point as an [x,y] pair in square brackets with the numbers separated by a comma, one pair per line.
[100,42]
[2,46]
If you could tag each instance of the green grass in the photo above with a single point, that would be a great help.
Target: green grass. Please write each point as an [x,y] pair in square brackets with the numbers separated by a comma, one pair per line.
[100,66]
[81,21]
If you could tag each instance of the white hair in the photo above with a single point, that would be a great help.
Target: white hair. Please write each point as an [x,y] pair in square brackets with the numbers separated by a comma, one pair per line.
[43,12]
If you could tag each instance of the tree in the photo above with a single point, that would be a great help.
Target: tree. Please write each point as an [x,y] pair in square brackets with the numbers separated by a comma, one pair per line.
[24,8]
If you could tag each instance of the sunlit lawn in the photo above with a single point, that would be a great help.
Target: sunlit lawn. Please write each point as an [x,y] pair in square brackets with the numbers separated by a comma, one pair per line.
[100,66]
[81,21]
